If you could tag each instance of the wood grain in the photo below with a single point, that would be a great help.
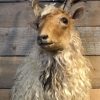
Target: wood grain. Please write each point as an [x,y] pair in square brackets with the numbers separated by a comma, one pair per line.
[91,14]
[10,1]
[90,37]
[16,41]
[95,61]
[95,94]
[4,94]
[8,66]
[15,14]
[19,41]
[21,14]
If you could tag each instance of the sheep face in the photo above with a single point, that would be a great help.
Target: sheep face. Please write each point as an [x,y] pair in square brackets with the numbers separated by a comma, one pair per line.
[54,30]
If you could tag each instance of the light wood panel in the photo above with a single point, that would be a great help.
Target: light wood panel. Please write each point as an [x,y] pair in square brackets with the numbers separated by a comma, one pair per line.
[16,41]
[95,94]
[21,14]
[8,66]
[95,61]
[10,1]
[90,37]
[19,41]
[4,94]
[15,14]
[91,14]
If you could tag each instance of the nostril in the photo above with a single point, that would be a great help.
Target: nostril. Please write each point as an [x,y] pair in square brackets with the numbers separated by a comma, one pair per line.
[42,39]
[44,36]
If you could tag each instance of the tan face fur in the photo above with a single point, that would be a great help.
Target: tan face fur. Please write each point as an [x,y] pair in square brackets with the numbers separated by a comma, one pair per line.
[57,26]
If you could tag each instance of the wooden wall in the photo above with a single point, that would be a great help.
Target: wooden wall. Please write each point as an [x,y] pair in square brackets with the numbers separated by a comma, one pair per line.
[17,39]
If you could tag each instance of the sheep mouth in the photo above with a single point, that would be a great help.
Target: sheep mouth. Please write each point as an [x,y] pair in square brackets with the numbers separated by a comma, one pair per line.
[50,47]
[45,44]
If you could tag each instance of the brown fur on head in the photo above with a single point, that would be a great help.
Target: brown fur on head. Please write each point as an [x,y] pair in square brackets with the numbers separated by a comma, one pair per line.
[55,27]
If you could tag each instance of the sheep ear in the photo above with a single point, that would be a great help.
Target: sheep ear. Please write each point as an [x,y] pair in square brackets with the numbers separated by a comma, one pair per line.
[77,10]
[36,7]
[78,13]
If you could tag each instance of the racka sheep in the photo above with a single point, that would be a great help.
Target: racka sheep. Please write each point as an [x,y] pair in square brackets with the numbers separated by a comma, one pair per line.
[56,68]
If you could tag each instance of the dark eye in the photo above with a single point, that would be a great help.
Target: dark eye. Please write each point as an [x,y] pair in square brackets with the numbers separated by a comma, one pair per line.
[37,25]
[34,25]
[64,20]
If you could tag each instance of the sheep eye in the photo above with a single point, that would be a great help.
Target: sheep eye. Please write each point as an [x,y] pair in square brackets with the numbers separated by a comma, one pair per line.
[64,20]
[37,25]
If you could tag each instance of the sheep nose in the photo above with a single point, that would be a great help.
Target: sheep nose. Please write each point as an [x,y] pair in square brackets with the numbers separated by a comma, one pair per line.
[42,39]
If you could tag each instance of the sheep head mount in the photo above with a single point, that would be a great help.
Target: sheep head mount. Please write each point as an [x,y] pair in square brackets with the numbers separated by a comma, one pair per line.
[55,25]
